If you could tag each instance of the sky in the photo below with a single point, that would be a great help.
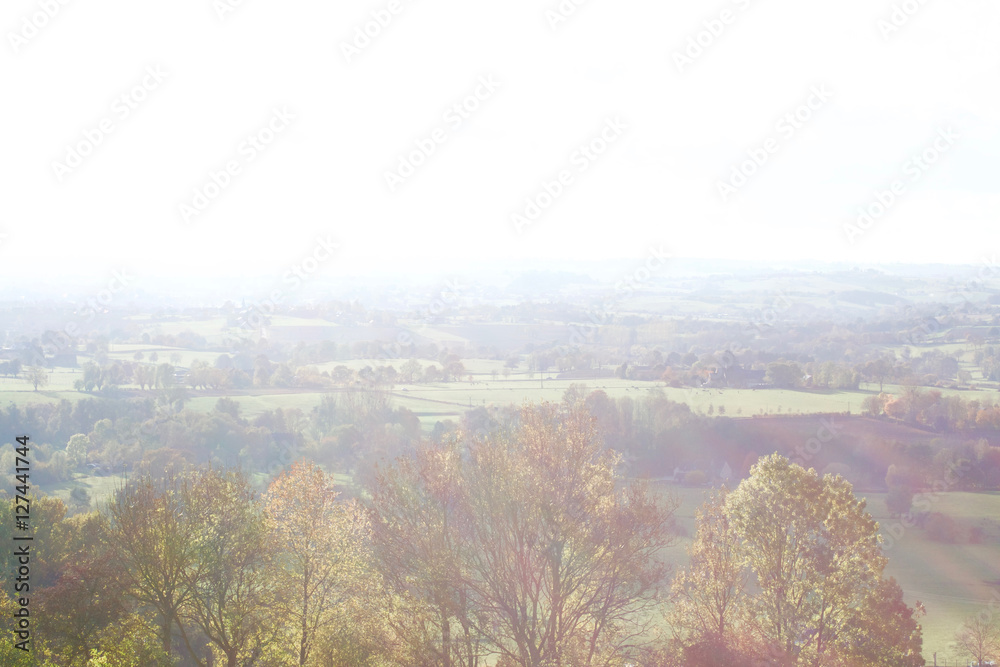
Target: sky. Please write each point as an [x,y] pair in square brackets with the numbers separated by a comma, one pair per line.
[219,138]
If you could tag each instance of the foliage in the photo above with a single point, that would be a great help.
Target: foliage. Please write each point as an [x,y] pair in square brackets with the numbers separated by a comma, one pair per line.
[811,553]
[527,543]
[324,563]
[695,478]
[941,528]
[231,582]
[899,500]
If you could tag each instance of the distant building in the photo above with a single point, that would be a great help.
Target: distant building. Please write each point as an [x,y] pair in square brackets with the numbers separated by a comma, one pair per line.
[737,377]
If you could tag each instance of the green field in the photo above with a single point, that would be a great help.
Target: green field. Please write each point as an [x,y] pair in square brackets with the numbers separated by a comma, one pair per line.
[447,400]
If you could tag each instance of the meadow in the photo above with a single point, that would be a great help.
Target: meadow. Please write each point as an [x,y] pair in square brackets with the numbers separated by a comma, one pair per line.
[447,400]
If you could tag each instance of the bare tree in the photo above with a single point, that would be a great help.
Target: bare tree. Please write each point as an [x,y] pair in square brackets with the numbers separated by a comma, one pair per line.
[36,377]
[979,637]
[562,559]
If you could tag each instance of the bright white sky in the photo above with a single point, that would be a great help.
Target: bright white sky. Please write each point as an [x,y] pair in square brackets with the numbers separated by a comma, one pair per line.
[656,184]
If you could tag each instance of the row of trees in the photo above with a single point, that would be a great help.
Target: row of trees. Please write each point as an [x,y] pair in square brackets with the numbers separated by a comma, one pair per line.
[934,410]
[200,568]
[521,546]
[225,375]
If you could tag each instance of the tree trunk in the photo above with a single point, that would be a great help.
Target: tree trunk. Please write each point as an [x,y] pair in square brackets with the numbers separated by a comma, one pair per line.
[302,643]
[446,639]
[165,634]
[305,618]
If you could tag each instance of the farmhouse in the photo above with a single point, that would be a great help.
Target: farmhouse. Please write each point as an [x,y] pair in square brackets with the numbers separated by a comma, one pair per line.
[737,376]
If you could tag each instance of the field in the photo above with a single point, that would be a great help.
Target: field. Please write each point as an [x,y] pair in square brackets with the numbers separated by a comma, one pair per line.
[434,402]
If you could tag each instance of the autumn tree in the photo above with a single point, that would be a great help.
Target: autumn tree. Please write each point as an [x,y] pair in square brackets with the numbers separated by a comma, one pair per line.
[709,596]
[87,592]
[815,560]
[883,630]
[151,527]
[129,642]
[231,580]
[88,596]
[561,557]
[879,371]
[49,551]
[415,512]
[10,655]
[323,561]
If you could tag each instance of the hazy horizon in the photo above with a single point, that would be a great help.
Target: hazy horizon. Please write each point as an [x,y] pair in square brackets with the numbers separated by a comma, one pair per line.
[199,80]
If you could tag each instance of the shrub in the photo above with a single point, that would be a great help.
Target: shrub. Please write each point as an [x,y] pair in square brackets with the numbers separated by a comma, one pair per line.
[695,478]
[942,528]
[899,500]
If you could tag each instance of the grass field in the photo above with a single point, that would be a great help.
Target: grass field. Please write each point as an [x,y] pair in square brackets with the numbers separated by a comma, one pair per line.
[953,581]
[437,401]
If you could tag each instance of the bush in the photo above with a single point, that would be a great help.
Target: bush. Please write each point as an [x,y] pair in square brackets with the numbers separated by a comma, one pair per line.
[942,528]
[695,478]
[899,500]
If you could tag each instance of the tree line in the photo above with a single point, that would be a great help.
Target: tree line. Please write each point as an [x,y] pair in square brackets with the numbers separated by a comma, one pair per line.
[521,545]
